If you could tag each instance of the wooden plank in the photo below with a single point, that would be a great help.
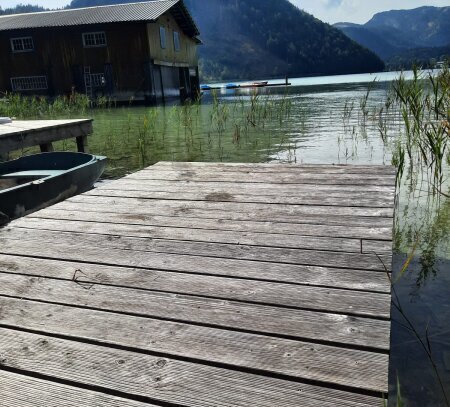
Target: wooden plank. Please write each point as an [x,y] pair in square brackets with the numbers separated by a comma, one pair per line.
[82,144]
[247,317]
[277,167]
[284,178]
[22,134]
[162,379]
[348,302]
[249,187]
[276,228]
[376,246]
[17,126]
[46,147]
[328,364]
[25,391]
[131,251]
[264,211]
[24,227]
[222,195]
[167,280]
[208,286]
[147,212]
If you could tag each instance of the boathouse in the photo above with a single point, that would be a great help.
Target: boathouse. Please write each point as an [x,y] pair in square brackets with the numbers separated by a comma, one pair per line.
[139,51]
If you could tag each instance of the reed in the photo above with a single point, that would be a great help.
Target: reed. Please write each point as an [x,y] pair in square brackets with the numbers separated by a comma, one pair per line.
[35,107]
[424,103]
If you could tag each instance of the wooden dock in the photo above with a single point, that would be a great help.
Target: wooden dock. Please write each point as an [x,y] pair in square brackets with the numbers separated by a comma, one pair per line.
[198,285]
[22,134]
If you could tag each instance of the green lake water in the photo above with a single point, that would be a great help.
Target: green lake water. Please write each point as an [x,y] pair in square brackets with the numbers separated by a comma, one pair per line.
[316,120]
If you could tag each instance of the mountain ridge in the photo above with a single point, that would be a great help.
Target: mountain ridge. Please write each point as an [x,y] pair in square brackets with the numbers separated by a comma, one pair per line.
[295,42]
[404,36]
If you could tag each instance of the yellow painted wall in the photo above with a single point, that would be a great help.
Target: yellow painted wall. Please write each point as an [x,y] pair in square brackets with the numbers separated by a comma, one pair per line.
[188,47]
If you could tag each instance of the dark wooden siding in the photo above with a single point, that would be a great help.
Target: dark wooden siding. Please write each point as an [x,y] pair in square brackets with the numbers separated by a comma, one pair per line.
[60,55]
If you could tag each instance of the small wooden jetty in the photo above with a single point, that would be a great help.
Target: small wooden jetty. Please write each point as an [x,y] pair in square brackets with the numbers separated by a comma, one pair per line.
[246,86]
[28,133]
[194,284]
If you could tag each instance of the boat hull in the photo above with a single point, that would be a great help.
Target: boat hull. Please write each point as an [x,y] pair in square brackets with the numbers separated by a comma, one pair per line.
[72,174]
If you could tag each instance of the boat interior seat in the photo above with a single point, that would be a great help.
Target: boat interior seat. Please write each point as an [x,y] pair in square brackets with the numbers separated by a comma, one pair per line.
[31,174]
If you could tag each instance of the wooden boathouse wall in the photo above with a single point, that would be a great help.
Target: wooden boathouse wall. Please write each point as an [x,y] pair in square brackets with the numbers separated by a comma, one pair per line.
[133,64]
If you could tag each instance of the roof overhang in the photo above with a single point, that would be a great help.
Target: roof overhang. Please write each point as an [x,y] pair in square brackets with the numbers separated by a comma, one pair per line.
[148,11]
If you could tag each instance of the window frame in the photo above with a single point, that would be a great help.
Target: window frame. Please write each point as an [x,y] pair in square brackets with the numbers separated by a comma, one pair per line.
[94,36]
[162,37]
[43,79]
[98,80]
[22,42]
[176,41]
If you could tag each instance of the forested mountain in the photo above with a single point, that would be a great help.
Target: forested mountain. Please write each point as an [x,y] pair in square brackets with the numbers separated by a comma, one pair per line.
[403,37]
[267,38]
[420,27]
[371,40]
[21,8]
[249,39]
[264,38]
[424,57]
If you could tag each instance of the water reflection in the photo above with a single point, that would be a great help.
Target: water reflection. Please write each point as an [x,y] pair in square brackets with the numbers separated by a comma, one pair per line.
[427,306]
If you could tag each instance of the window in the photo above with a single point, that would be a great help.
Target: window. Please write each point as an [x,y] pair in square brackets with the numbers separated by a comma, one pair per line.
[97,79]
[176,41]
[162,37]
[29,83]
[96,39]
[22,44]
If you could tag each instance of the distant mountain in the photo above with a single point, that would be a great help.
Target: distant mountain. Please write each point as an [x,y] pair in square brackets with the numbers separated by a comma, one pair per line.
[420,27]
[263,38]
[249,39]
[374,41]
[425,57]
[404,36]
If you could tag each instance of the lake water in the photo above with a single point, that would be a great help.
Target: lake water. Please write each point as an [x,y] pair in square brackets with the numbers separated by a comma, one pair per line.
[316,120]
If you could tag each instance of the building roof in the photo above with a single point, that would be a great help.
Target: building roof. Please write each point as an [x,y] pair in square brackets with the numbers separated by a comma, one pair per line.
[147,11]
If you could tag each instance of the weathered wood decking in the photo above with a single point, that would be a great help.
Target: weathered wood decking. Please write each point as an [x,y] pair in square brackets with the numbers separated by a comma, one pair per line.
[202,285]
[28,133]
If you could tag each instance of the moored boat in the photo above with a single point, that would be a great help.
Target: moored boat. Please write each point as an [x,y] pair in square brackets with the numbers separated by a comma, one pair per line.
[254,84]
[34,182]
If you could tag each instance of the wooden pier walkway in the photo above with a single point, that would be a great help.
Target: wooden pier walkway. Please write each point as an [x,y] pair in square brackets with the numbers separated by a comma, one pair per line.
[200,285]
[28,133]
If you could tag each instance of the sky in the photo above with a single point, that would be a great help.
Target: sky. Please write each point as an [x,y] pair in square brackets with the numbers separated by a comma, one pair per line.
[358,11]
[330,11]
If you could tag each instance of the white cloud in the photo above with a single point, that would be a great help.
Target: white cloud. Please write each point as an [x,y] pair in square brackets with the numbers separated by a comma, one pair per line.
[359,11]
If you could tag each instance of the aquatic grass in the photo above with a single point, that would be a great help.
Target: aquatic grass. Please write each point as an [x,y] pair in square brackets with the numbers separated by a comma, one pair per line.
[424,103]
[36,107]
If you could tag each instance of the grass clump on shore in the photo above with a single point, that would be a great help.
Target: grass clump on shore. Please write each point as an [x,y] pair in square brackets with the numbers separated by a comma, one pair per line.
[39,107]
